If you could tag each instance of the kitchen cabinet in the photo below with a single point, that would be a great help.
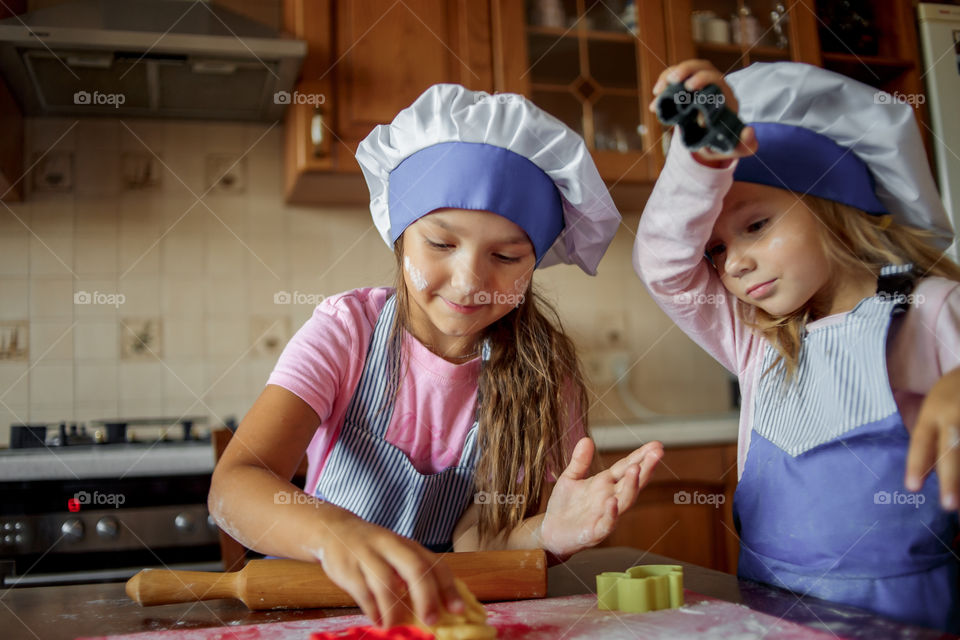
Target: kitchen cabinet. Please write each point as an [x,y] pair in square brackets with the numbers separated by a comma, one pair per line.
[366,61]
[11,147]
[686,510]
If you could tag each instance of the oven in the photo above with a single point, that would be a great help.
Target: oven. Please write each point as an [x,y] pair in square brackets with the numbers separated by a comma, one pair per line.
[97,506]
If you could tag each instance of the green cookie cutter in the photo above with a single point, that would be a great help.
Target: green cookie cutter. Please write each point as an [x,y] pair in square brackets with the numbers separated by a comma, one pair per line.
[639,589]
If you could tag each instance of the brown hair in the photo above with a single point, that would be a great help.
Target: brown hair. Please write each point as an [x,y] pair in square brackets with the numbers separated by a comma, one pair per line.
[531,394]
[852,240]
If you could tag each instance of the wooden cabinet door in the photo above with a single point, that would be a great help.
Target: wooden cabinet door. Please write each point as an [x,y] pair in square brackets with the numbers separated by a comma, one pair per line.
[388,53]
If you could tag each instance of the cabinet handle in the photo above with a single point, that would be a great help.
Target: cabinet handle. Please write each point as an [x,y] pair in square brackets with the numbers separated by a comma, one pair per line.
[318,137]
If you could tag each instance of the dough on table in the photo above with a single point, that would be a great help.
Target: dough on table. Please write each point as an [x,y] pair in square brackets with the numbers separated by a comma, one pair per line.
[469,625]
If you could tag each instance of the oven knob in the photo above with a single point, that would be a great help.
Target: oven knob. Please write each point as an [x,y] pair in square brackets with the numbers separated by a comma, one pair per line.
[72,529]
[184,522]
[108,527]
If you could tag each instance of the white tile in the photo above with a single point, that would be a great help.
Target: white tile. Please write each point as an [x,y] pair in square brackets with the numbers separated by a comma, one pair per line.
[51,133]
[15,218]
[51,341]
[267,256]
[141,381]
[225,256]
[51,384]
[97,216]
[95,255]
[183,215]
[261,296]
[14,255]
[52,213]
[141,295]
[97,173]
[96,341]
[143,135]
[226,338]
[182,253]
[51,413]
[51,255]
[97,384]
[140,213]
[141,338]
[51,296]
[182,297]
[183,338]
[184,379]
[139,255]
[14,383]
[141,407]
[102,134]
[225,296]
[225,216]
[265,215]
[224,378]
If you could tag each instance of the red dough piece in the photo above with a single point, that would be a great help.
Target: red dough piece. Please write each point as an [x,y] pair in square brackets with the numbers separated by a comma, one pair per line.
[374,633]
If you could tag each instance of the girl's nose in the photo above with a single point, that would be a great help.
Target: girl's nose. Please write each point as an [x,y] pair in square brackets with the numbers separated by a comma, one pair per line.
[739,261]
[467,278]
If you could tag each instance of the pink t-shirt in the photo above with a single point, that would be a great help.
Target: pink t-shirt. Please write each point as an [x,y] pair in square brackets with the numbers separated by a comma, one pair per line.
[322,364]
[668,256]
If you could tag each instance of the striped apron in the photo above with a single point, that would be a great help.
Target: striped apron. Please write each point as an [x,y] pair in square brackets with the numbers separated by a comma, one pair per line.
[821,508]
[375,480]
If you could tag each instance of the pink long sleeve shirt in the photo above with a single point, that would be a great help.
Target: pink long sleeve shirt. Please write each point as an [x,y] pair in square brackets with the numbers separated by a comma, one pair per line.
[668,256]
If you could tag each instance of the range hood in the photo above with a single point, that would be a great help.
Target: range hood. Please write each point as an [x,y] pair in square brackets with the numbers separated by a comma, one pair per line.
[152,58]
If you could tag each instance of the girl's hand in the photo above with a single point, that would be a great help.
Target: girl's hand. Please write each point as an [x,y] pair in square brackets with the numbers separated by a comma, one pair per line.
[583,511]
[695,75]
[935,441]
[383,572]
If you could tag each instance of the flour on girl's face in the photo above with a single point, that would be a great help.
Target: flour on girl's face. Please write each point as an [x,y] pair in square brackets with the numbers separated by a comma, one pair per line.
[416,276]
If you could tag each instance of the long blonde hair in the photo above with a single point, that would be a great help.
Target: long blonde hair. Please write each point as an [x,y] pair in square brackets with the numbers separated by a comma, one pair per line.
[852,240]
[531,395]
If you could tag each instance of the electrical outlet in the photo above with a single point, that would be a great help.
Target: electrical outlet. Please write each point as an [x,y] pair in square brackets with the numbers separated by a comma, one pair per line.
[15,341]
[139,170]
[140,339]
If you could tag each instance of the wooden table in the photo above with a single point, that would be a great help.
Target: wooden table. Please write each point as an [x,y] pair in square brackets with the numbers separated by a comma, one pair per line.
[66,612]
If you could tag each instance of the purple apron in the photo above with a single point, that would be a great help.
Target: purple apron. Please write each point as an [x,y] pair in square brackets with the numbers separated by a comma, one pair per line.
[821,508]
[375,480]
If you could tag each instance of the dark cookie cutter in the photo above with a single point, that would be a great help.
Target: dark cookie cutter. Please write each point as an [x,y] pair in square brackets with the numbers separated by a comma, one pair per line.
[689,109]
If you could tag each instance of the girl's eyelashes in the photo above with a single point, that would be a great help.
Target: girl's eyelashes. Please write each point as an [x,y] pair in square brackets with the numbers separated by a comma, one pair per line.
[437,245]
[506,259]
[757,225]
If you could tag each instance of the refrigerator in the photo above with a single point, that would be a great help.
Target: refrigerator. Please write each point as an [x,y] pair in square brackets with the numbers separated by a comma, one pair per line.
[939,26]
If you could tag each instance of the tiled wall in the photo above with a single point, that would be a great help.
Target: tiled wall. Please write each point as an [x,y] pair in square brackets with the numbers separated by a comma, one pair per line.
[104,250]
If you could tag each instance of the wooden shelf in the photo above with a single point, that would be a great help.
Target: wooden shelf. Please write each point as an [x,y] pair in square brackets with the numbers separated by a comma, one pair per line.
[767,52]
[576,32]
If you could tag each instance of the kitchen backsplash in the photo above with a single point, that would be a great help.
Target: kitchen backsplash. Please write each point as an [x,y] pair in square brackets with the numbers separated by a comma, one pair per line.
[155,269]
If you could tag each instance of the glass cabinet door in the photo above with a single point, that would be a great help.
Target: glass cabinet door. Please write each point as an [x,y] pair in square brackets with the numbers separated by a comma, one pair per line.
[583,65]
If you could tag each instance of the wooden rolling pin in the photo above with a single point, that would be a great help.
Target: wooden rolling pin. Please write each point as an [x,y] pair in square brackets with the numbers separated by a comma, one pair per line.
[291,584]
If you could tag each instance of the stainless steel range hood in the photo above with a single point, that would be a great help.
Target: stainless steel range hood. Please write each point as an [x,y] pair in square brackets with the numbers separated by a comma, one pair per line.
[154,58]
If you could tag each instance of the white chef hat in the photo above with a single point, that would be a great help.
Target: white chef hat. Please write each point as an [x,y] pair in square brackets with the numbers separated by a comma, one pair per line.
[828,135]
[471,150]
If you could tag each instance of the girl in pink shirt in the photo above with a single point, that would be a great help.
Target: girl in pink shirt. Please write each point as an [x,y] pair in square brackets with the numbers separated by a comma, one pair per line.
[446,413]
[809,262]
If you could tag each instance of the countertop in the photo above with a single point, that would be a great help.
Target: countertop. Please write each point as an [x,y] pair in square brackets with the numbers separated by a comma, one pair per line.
[673,431]
[64,613]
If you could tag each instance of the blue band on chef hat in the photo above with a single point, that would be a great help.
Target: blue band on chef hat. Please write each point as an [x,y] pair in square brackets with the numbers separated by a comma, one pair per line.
[476,176]
[804,161]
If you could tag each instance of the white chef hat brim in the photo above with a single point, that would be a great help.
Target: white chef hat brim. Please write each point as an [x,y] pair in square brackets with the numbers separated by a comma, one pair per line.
[879,130]
[450,113]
